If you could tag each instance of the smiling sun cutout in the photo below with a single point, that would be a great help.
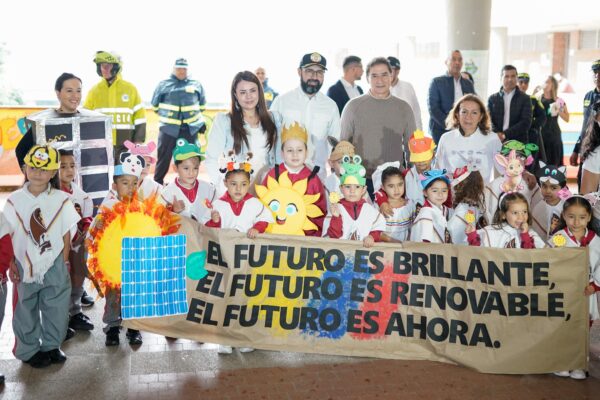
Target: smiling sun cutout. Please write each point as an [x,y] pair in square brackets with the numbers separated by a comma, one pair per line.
[290,206]
[130,218]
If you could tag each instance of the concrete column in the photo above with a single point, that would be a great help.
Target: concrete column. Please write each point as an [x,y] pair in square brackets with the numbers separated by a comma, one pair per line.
[468,30]
[560,48]
[497,58]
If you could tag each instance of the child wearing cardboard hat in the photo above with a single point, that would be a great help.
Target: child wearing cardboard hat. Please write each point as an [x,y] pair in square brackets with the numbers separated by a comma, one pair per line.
[40,219]
[351,217]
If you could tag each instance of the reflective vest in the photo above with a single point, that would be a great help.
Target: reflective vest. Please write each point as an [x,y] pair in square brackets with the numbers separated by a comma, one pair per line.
[179,102]
[122,101]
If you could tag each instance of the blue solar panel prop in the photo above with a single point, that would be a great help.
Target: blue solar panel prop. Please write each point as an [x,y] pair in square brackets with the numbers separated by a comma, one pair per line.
[153,277]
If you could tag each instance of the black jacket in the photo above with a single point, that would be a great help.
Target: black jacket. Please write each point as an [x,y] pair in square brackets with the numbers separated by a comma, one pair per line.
[520,115]
[338,94]
[589,100]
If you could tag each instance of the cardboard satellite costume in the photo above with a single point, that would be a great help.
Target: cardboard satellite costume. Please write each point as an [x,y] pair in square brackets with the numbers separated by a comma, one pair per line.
[89,135]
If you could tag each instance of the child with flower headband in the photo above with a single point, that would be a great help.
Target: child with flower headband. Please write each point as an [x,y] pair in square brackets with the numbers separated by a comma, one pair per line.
[352,217]
[512,160]
[187,195]
[431,223]
[469,206]
[41,221]
[237,209]
[575,230]
[147,186]
[553,187]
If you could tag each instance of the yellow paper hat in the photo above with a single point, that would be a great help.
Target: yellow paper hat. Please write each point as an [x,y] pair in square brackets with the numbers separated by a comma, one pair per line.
[420,147]
[43,157]
[294,131]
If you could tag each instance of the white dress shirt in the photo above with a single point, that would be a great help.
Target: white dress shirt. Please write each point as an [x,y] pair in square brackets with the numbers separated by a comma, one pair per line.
[507,99]
[351,89]
[405,91]
[318,114]
[458,93]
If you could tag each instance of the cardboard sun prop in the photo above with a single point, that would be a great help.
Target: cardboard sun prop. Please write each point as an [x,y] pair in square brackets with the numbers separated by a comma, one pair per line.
[132,218]
[290,206]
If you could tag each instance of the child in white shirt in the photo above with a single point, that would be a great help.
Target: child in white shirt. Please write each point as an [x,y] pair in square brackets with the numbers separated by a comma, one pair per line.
[553,186]
[41,221]
[85,207]
[187,195]
[431,223]
[237,209]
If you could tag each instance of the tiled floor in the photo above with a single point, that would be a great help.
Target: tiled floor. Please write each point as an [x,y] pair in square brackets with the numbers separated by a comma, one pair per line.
[181,369]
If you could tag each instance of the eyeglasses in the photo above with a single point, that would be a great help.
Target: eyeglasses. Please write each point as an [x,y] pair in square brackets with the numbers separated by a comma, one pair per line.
[314,72]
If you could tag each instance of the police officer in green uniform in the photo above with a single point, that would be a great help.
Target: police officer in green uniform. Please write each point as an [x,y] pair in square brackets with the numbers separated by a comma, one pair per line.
[538,120]
[179,102]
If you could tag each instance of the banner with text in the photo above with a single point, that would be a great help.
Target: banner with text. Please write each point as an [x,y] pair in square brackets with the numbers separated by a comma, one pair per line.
[494,310]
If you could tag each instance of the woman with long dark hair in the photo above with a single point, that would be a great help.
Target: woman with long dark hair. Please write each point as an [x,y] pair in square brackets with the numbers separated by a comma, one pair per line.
[248,127]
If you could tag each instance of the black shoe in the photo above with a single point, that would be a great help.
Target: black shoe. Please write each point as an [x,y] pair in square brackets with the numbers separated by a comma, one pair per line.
[2,379]
[80,322]
[134,336]
[112,336]
[70,334]
[86,300]
[39,360]
[57,356]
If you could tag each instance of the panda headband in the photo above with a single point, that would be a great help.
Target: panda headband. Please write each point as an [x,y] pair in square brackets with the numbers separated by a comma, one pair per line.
[131,164]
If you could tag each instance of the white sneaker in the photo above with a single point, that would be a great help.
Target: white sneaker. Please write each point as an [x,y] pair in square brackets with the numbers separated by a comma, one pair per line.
[222,349]
[578,374]
[246,349]
[563,374]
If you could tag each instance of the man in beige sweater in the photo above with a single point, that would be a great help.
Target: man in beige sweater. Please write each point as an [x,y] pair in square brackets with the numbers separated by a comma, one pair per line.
[378,124]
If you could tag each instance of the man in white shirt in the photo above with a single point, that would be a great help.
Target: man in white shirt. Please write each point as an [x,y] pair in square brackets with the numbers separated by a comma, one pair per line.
[315,111]
[405,91]
[346,89]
